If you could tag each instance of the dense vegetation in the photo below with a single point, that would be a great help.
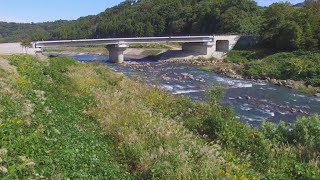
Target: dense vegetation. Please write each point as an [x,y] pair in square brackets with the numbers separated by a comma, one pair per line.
[12,32]
[289,28]
[265,63]
[281,26]
[63,119]
[147,18]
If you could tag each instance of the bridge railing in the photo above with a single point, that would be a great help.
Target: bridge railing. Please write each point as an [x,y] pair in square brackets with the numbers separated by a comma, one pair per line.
[109,41]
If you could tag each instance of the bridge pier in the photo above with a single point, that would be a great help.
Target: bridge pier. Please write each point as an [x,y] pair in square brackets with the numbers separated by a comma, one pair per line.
[206,48]
[116,52]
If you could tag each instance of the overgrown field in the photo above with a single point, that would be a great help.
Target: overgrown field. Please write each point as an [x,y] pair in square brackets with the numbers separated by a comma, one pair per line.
[63,119]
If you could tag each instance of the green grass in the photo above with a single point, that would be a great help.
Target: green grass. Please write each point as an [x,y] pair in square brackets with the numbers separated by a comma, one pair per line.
[54,134]
[63,119]
[244,56]
[263,63]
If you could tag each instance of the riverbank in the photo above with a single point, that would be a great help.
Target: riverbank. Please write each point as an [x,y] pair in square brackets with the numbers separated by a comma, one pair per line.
[237,64]
[65,119]
[296,70]
[235,71]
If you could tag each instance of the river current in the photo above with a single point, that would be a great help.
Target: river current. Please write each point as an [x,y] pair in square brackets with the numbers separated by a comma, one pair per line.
[253,102]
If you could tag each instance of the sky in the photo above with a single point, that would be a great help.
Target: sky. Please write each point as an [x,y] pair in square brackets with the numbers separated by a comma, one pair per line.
[50,10]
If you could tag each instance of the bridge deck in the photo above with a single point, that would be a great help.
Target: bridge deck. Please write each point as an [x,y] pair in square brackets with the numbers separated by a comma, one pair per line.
[120,41]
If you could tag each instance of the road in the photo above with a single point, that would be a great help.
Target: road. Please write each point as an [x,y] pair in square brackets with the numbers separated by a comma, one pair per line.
[14,48]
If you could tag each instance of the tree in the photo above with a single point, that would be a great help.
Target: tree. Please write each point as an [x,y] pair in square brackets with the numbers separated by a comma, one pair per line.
[26,44]
[289,37]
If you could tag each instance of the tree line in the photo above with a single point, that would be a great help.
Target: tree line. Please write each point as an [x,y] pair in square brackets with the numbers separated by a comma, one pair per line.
[281,26]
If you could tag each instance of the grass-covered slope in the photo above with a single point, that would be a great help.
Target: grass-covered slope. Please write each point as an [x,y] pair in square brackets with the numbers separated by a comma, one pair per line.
[63,119]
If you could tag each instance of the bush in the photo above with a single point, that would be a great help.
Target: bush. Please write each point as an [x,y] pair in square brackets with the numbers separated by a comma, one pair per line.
[245,56]
[306,131]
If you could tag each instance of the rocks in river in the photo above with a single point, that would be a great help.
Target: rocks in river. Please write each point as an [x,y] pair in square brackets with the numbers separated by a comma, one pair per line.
[187,76]
[317,95]
[166,78]
[248,97]
[273,81]
[293,110]
[288,83]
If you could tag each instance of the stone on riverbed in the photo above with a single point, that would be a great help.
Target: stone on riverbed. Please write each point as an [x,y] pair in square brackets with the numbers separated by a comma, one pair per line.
[187,75]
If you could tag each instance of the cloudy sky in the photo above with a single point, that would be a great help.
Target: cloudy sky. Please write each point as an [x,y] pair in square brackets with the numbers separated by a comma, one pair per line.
[50,10]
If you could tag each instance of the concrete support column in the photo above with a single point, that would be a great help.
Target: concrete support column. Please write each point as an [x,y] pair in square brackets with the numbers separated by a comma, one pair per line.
[200,48]
[116,54]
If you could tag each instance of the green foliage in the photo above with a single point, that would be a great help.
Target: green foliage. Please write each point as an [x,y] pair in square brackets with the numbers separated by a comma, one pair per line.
[43,130]
[26,44]
[244,56]
[280,26]
[62,119]
[271,152]
[147,18]
[306,132]
[288,28]
[298,65]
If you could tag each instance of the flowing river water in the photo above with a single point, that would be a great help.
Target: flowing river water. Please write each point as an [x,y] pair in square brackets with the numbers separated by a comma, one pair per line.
[253,102]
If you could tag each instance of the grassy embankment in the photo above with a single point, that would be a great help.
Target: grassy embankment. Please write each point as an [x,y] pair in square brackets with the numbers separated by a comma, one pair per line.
[60,118]
[264,63]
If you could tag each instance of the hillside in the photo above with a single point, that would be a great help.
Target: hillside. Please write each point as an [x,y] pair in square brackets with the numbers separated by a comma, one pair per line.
[292,29]
[146,18]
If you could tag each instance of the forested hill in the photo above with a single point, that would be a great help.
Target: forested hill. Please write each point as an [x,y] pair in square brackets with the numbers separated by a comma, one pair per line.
[147,18]
[280,25]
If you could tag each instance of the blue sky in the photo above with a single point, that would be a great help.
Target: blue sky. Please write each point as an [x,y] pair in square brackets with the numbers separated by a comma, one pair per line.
[49,10]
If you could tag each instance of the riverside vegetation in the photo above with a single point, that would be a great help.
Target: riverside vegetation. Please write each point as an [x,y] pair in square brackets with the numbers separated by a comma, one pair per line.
[64,119]
[303,67]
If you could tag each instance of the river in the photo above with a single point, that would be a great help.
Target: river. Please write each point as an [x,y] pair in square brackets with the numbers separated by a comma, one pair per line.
[253,102]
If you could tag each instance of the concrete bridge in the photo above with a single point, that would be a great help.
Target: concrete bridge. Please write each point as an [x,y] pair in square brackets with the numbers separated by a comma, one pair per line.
[200,45]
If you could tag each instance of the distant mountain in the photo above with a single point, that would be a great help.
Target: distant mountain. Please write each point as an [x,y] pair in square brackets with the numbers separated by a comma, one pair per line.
[299,4]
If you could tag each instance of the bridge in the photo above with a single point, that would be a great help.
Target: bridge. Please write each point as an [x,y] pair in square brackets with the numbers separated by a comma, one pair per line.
[200,45]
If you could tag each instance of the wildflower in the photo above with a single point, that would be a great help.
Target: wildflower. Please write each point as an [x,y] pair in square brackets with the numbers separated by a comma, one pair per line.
[19,122]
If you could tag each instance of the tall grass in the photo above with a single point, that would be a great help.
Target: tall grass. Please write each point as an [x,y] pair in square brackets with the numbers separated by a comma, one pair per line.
[150,144]
[63,119]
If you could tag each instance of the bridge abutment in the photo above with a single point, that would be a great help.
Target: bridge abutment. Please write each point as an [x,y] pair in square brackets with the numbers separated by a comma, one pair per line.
[116,52]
